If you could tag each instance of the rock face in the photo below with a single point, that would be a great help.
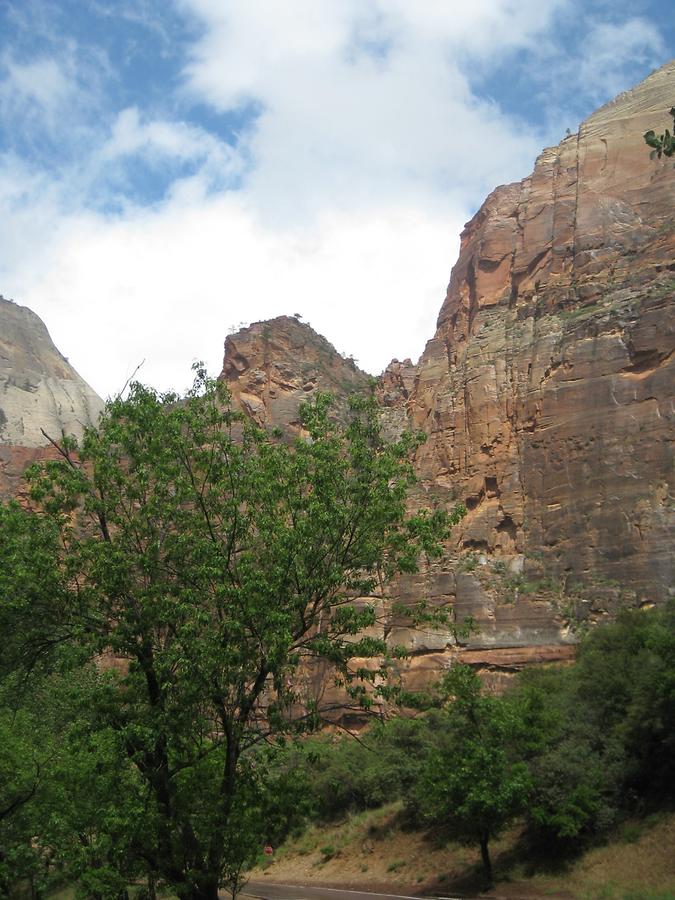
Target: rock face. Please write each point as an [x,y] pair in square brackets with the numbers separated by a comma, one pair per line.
[272,367]
[39,389]
[546,393]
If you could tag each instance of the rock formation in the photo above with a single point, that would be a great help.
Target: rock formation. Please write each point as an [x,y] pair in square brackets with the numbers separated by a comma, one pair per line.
[272,367]
[546,394]
[547,391]
[39,390]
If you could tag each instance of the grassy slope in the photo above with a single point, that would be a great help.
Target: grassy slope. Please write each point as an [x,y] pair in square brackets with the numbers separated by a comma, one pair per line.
[371,851]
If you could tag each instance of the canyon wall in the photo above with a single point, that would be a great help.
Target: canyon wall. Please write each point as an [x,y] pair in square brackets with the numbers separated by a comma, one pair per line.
[39,392]
[548,389]
[272,367]
[546,394]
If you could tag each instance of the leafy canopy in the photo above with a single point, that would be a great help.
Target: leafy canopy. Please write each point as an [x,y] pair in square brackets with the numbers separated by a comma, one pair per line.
[475,781]
[214,561]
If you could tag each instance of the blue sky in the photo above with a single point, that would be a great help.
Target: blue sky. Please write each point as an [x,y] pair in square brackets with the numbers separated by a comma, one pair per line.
[172,168]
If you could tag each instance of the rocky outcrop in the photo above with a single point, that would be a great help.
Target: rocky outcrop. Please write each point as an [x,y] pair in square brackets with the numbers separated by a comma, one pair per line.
[272,367]
[547,391]
[546,395]
[39,392]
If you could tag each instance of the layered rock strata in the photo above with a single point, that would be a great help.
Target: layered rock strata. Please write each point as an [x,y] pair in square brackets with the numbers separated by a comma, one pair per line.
[547,391]
[39,392]
[546,394]
[272,367]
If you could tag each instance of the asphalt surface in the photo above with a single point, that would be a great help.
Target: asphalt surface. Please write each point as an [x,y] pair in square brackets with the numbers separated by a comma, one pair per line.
[266,891]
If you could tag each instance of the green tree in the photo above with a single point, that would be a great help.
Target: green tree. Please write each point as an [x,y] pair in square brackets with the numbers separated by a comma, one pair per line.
[63,783]
[575,771]
[475,780]
[625,681]
[61,787]
[344,774]
[607,729]
[22,766]
[33,615]
[216,560]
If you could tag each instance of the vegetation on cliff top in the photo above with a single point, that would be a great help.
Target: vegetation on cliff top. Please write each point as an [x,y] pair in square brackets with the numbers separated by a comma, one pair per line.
[662,144]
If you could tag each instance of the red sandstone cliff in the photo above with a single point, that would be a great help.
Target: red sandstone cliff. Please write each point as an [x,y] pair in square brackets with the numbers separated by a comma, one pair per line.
[547,391]
[546,394]
[272,367]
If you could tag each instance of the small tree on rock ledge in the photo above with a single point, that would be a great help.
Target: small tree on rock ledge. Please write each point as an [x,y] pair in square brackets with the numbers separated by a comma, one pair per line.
[662,144]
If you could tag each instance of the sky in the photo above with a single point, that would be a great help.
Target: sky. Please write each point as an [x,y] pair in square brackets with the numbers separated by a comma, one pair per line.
[173,169]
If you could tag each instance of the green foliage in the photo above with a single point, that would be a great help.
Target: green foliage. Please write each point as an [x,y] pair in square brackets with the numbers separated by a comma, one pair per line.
[216,562]
[649,895]
[572,751]
[632,662]
[467,562]
[214,559]
[475,780]
[396,865]
[80,811]
[344,775]
[33,609]
[610,732]
[662,144]
[328,852]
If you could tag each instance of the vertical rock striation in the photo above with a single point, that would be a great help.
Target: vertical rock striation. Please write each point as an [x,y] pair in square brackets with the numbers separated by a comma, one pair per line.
[546,393]
[547,390]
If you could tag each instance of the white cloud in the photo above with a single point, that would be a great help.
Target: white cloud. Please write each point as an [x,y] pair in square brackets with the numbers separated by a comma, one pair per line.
[610,49]
[52,102]
[343,200]
[597,60]
[41,81]
[161,143]
[166,285]
[37,89]
[362,100]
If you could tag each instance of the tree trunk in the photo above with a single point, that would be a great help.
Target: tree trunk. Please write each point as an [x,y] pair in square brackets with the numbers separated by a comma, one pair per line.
[485,856]
[206,889]
[4,882]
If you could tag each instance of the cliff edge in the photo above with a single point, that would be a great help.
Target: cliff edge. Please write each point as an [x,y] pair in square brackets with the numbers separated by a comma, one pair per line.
[547,395]
[39,390]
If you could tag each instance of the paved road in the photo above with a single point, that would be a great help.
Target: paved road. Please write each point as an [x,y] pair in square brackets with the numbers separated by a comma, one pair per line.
[266,891]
